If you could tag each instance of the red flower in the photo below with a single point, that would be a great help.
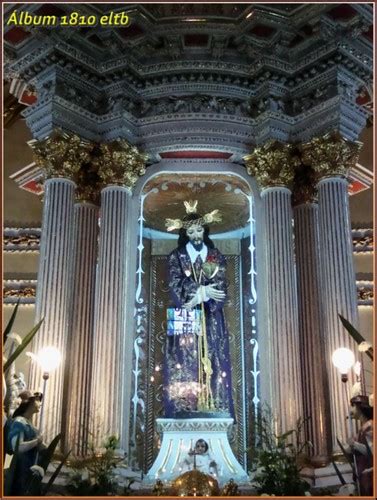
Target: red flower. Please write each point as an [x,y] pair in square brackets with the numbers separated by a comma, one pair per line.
[212,259]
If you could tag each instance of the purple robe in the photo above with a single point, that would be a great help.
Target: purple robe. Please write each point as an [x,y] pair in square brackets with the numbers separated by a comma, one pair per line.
[181,353]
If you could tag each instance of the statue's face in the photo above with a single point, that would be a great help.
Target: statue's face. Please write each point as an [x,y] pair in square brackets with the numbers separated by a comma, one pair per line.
[36,405]
[355,412]
[195,235]
[200,447]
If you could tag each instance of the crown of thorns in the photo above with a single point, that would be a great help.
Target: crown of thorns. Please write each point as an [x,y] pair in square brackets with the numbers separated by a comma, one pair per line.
[191,208]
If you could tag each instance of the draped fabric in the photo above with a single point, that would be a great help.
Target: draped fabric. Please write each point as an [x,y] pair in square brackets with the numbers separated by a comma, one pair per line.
[364,462]
[20,426]
[182,386]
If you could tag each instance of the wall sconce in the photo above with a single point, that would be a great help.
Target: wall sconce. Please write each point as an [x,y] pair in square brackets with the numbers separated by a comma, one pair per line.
[343,359]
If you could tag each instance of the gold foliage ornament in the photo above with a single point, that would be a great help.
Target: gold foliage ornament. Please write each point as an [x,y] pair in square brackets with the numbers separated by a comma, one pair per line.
[61,154]
[230,489]
[331,154]
[158,489]
[120,163]
[89,165]
[273,164]
[195,483]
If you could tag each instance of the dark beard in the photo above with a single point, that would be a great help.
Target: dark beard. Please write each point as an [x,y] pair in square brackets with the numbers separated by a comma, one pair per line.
[197,247]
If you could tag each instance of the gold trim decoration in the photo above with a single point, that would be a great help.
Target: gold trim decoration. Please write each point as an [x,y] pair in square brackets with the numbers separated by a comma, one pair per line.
[119,163]
[272,164]
[194,484]
[91,166]
[61,154]
[330,155]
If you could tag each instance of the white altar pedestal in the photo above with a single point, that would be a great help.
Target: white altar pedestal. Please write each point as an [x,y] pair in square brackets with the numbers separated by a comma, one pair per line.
[180,436]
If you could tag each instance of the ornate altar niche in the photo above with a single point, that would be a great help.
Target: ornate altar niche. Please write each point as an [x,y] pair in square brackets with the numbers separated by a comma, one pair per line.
[152,301]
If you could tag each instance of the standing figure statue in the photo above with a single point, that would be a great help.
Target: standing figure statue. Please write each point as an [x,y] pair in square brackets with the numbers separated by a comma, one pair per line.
[30,442]
[362,444]
[197,374]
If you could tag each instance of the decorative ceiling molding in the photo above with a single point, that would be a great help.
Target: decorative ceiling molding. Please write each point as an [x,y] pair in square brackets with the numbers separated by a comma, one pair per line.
[287,72]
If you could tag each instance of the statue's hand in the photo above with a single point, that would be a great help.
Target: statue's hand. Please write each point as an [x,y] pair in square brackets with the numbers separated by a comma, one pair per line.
[194,301]
[189,305]
[213,293]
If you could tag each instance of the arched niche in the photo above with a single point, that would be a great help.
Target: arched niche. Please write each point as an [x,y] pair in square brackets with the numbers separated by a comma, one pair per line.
[160,194]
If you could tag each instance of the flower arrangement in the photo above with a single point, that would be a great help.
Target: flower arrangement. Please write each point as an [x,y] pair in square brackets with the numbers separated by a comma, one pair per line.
[279,459]
[210,267]
[102,472]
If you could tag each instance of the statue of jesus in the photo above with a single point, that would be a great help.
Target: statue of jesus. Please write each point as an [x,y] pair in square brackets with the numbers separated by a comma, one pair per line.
[197,374]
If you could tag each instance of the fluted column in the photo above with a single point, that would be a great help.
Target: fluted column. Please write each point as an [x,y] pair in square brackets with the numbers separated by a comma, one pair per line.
[80,341]
[108,367]
[272,165]
[60,156]
[119,165]
[331,156]
[310,318]
[53,293]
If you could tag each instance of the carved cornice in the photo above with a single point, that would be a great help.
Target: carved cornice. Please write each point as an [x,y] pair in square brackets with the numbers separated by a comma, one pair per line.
[363,240]
[21,239]
[272,164]
[119,163]
[61,154]
[107,83]
[19,290]
[197,425]
[330,155]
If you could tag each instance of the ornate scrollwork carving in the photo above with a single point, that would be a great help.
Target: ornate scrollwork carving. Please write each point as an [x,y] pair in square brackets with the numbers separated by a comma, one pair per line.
[365,293]
[119,163]
[330,155]
[272,164]
[61,154]
[218,424]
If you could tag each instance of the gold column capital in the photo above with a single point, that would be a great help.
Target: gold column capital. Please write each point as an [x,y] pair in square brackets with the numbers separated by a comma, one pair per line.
[119,163]
[88,184]
[330,155]
[272,164]
[304,186]
[90,165]
[61,154]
